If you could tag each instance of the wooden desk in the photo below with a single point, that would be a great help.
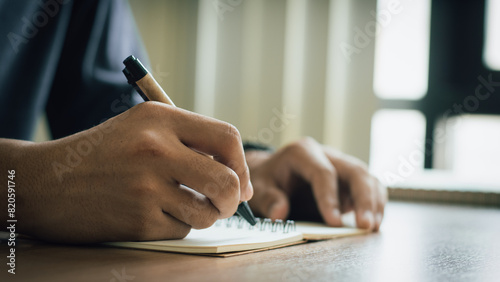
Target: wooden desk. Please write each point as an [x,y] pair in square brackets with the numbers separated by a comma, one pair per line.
[418,242]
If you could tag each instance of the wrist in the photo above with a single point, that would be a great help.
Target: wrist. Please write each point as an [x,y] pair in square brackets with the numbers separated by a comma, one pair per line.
[12,168]
[33,180]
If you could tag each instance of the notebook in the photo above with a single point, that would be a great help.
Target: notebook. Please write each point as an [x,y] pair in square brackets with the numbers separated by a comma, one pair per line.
[234,236]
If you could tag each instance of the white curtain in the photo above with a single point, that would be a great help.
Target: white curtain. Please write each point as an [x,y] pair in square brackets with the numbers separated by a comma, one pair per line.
[276,69]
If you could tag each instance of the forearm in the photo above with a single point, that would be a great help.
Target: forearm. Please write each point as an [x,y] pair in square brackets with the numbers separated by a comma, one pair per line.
[27,166]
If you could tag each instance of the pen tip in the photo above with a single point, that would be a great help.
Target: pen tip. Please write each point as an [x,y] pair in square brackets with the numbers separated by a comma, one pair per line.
[245,212]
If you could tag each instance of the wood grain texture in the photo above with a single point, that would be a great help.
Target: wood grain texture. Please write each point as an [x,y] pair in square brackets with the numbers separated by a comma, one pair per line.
[418,242]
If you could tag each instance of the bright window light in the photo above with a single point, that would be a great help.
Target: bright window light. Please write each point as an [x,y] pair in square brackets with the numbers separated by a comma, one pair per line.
[397,145]
[472,145]
[491,54]
[402,49]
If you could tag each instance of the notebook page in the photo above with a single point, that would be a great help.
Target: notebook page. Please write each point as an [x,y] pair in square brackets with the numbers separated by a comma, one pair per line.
[219,239]
[319,231]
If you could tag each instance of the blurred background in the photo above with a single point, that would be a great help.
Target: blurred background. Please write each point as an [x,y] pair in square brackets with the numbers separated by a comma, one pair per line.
[410,87]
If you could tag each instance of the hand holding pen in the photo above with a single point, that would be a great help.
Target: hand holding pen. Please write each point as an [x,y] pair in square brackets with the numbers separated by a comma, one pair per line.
[150,90]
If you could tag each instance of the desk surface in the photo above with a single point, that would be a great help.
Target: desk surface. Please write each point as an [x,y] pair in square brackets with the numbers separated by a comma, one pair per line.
[418,242]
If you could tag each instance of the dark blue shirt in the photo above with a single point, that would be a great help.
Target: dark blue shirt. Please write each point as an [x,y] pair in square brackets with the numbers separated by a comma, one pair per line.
[65,58]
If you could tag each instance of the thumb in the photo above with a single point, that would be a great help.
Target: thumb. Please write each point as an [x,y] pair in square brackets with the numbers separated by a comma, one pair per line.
[269,201]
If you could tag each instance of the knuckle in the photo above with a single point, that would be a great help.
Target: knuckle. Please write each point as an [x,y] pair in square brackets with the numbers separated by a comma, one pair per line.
[200,213]
[143,192]
[293,148]
[307,141]
[360,169]
[146,110]
[234,136]
[232,183]
[324,172]
[357,165]
[150,109]
[149,144]
[301,145]
[327,170]
[244,174]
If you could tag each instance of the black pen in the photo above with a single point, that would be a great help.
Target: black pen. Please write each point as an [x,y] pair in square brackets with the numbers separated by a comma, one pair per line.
[144,83]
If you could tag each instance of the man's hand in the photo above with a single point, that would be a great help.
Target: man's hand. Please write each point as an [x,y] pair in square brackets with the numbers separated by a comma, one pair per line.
[128,178]
[307,180]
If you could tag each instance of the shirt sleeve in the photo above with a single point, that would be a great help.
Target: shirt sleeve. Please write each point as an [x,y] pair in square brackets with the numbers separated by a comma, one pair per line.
[89,86]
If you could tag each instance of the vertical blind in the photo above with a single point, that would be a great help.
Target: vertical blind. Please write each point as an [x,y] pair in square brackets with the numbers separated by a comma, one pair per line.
[278,70]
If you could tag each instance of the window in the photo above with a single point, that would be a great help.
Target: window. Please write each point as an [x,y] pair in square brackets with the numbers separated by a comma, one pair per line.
[471,145]
[402,49]
[397,142]
[492,39]
[431,61]
[400,72]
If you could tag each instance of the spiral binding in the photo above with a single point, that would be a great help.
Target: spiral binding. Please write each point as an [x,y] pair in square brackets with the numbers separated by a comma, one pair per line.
[265,224]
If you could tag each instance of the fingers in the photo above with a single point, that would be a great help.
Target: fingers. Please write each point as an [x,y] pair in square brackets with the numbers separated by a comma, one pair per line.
[269,201]
[308,160]
[213,137]
[164,226]
[364,198]
[369,197]
[183,139]
[213,180]
[189,207]
[368,194]
[137,214]
[213,190]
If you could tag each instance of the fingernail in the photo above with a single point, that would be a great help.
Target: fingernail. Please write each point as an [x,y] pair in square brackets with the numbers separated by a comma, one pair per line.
[368,217]
[336,213]
[336,217]
[249,190]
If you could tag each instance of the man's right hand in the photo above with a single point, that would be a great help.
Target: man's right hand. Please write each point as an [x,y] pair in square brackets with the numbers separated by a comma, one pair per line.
[128,178]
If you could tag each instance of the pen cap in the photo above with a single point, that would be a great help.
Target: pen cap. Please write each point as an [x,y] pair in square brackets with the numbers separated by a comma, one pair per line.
[134,69]
[139,77]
